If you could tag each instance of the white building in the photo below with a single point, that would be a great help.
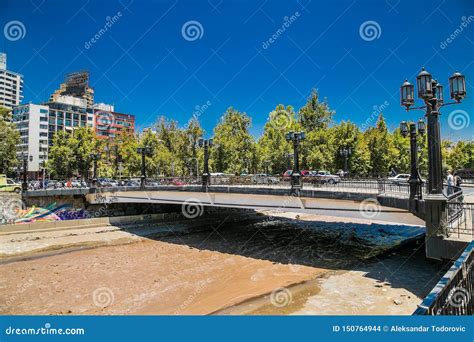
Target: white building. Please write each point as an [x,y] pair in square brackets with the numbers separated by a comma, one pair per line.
[32,122]
[37,125]
[104,106]
[11,85]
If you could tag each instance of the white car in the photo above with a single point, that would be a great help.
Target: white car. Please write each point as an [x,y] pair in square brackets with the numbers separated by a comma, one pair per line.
[400,178]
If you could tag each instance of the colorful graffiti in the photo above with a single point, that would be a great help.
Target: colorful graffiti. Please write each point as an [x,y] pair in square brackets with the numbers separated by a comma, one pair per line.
[49,214]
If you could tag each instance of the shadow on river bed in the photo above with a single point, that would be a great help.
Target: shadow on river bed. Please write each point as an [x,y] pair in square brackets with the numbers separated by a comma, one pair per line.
[387,253]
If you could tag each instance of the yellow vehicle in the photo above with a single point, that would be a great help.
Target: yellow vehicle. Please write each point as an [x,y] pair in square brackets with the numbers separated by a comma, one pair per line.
[7,184]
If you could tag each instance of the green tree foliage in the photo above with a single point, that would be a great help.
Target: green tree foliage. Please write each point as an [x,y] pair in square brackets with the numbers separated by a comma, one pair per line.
[346,135]
[382,151]
[61,162]
[360,163]
[9,139]
[460,155]
[235,146]
[272,145]
[315,114]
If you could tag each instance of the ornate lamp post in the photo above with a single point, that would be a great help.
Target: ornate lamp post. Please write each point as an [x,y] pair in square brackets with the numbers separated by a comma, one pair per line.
[206,176]
[24,183]
[144,151]
[296,183]
[94,157]
[431,92]
[415,178]
[345,152]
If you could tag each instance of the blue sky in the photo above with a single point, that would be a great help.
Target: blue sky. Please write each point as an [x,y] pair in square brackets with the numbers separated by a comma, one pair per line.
[145,65]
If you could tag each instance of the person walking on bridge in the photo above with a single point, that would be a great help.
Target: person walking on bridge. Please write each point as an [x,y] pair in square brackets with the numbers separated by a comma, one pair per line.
[450,182]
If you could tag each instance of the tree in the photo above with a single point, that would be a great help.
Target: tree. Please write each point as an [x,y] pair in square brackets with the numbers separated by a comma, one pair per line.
[235,145]
[127,150]
[460,156]
[402,148]
[272,146]
[345,136]
[319,150]
[61,159]
[359,163]
[315,114]
[380,144]
[9,139]
[82,142]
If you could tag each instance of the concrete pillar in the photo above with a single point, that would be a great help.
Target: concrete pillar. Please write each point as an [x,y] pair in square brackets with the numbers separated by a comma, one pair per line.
[436,226]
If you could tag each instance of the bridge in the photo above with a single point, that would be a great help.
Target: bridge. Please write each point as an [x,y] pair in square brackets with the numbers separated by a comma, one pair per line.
[378,200]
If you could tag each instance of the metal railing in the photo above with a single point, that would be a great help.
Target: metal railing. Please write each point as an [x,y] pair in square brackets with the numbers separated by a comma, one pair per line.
[453,295]
[460,220]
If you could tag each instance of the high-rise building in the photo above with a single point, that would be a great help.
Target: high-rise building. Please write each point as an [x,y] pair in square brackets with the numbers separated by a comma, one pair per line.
[76,85]
[37,125]
[11,85]
[108,123]
[32,122]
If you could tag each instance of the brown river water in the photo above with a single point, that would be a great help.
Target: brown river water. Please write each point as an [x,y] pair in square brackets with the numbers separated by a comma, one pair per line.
[271,265]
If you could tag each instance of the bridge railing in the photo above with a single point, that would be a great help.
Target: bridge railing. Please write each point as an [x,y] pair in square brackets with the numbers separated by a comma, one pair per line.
[453,295]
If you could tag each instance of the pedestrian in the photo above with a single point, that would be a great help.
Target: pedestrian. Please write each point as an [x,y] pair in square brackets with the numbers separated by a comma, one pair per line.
[457,181]
[450,181]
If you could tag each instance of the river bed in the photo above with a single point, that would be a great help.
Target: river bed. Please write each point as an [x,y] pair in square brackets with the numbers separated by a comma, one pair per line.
[277,265]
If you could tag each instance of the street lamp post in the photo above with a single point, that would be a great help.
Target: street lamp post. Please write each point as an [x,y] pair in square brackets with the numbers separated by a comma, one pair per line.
[197,165]
[415,181]
[266,162]
[345,152]
[288,160]
[144,151]
[296,183]
[24,184]
[431,92]
[95,157]
[206,176]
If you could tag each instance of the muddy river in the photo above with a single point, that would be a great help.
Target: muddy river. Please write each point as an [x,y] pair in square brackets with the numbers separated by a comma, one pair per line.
[269,265]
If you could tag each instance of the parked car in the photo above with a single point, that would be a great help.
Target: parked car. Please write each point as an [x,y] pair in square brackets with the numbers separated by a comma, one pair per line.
[178,182]
[401,178]
[304,173]
[262,178]
[326,177]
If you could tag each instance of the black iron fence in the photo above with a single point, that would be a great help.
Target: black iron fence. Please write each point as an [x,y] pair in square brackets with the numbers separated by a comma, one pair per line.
[453,295]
